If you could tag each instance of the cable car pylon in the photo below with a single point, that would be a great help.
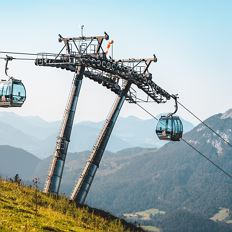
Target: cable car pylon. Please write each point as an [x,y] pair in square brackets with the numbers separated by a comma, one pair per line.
[87,55]
[53,181]
[83,184]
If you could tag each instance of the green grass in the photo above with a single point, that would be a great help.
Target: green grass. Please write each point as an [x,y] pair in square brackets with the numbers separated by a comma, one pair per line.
[18,213]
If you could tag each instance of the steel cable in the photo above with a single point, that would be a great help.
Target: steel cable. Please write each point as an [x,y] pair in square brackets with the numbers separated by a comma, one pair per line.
[194,148]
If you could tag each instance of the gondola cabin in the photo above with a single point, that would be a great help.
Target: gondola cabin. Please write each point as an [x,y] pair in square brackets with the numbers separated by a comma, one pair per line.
[12,93]
[169,128]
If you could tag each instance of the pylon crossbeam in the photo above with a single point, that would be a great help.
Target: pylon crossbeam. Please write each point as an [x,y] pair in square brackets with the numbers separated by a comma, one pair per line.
[119,69]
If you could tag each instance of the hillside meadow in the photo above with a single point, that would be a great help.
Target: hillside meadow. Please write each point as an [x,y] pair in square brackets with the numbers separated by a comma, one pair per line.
[25,208]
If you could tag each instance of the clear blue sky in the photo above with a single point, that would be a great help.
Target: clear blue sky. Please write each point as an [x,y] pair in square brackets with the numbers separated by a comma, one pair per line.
[192,40]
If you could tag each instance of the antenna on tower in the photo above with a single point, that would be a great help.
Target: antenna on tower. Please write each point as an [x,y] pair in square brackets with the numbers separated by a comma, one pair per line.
[82,28]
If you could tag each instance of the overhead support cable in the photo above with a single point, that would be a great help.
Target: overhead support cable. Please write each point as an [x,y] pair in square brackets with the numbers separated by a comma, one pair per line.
[18,58]
[25,53]
[194,148]
[199,152]
[206,125]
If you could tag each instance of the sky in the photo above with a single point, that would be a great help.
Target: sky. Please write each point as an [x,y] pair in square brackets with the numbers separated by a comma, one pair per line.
[191,39]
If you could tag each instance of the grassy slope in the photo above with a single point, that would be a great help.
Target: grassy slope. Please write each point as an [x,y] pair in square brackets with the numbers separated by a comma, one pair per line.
[18,213]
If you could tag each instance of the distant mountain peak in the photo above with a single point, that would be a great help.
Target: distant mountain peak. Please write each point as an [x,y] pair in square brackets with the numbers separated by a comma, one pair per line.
[227,114]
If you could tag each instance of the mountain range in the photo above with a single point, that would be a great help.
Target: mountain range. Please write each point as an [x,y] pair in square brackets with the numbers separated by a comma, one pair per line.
[38,136]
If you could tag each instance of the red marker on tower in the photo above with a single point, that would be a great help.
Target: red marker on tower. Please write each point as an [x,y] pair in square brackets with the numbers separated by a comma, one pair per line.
[108,46]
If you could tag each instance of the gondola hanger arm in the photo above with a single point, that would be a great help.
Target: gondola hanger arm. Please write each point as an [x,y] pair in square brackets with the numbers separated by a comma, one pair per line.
[7,59]
[175,97]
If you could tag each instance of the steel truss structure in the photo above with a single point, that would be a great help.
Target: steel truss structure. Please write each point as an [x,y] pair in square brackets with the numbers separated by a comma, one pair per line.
[86,57]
